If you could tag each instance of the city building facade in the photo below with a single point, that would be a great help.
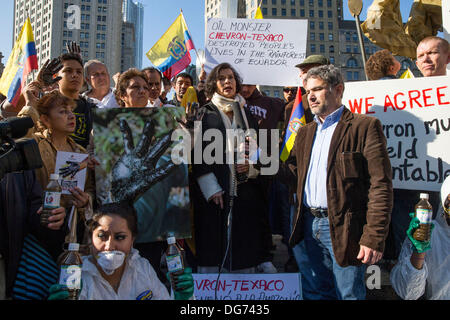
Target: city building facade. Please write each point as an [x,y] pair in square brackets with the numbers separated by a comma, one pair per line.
[133,12]
[93,24]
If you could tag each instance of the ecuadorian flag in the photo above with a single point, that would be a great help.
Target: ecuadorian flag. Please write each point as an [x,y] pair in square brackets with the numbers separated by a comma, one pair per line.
[170,54]
[296,120]
[21,61]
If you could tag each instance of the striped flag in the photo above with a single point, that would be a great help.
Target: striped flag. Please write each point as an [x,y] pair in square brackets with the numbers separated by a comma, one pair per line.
[170,54]
[21,62]
[296,120]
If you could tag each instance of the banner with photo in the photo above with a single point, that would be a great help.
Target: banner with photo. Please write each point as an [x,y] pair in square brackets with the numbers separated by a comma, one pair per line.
[129,148]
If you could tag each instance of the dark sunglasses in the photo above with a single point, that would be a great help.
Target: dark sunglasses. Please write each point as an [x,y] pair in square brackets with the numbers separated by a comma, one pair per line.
[293,90]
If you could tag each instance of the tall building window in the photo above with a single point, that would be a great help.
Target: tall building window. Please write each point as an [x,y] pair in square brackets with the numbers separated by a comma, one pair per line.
[312,36]
[274,2]
[283,12]
[330,14]
[352,63]
[313,47]
[283,2]
[331,49]
[274,11]
[330,36]
[292,12]
[320,2]
[329,3]
[349,75]
[302,2]
[330,25]
[321,36]
[322,48]
[264,11]
[312,25]
[292,2]
[321,25]
[332,60]
[302,12]
[320,13]
[311,13]
[355,75]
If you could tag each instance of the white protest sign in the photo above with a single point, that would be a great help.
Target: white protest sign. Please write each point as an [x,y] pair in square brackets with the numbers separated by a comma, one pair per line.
[415,114]
[236,286]
[71,168]
[263,52]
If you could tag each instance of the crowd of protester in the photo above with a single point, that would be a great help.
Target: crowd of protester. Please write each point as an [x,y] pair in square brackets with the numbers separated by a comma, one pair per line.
[334,225]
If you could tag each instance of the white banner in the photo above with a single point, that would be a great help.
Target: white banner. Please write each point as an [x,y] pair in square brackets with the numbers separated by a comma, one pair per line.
[263,51]
[415,114]
[235,286]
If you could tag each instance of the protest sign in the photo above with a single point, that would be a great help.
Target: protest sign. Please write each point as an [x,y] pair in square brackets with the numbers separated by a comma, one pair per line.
[71,168]
[235,286]
[415,114]
[163,207]
[263,52]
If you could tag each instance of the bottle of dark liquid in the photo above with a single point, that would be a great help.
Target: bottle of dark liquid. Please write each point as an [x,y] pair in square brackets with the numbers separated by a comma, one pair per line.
[52,197]
[174,259]
[70,271]
[424,213]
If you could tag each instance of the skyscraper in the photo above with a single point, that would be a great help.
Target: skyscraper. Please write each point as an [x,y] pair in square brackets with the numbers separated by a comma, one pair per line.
[95,24]
[133,12]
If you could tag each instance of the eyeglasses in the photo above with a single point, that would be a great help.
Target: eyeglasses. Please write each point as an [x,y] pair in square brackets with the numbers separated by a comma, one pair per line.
[292,90]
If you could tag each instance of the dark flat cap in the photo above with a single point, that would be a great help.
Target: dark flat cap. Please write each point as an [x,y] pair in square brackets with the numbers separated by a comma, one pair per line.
[314,59]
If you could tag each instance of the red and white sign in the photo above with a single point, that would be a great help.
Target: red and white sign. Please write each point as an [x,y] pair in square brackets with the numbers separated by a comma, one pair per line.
[415,114]
[237,286]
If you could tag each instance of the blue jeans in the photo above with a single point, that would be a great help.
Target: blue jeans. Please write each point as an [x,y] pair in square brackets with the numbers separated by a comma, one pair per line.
[322,278]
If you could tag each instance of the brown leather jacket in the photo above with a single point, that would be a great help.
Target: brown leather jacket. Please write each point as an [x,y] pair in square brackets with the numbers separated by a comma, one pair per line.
[359,185]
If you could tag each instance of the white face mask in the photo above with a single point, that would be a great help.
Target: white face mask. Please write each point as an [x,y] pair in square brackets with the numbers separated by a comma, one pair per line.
[109,261]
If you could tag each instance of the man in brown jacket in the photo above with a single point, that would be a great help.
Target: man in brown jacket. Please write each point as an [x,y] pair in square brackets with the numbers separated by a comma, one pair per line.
[344,189]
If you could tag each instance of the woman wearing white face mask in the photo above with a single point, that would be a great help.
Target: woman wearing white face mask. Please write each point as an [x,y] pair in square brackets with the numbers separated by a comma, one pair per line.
[115,270]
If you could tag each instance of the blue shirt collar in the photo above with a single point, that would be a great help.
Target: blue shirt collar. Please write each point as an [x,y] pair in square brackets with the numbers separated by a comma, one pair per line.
[331,118]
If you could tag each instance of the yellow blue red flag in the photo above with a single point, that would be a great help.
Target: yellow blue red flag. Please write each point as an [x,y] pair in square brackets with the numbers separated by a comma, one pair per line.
[296,120]
[21,62]
[170,54]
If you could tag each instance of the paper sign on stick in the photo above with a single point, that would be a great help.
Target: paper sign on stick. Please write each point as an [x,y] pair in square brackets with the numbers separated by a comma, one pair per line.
[264,52]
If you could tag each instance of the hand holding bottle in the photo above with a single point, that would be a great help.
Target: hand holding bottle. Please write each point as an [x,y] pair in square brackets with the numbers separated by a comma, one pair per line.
[418,246]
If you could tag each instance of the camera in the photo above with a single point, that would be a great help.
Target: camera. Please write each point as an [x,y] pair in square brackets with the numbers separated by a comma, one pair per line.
[20,154]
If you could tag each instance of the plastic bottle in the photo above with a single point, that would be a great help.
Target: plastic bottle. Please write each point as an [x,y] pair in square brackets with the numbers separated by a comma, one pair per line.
[52,198]
[174,259]
[70,271]
[423,212]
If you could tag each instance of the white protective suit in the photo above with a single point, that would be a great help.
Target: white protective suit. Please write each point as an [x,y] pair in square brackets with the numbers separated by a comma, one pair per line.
[139,282]
[434,278]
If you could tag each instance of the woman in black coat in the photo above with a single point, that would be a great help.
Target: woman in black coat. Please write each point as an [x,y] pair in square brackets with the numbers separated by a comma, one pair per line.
[230,217]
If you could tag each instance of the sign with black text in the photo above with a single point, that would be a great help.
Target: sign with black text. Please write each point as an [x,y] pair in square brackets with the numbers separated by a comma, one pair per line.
[263,51]
[415,114]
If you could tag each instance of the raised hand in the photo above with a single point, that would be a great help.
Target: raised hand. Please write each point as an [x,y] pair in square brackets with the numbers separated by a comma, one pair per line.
[49,69]
[71,170]
[73,47]
[135,172]
[193,113]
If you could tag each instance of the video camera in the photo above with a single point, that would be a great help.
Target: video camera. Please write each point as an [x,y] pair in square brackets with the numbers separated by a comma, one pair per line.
[17,155]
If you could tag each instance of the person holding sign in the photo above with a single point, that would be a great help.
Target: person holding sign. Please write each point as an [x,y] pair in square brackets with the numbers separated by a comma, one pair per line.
[230,205]
[423,266]
[344,190]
